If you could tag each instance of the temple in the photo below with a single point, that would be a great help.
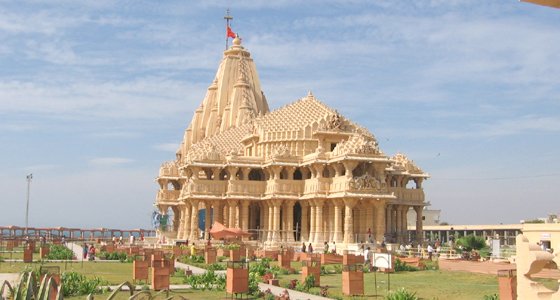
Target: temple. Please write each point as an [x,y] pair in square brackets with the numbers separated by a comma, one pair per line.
[300,173]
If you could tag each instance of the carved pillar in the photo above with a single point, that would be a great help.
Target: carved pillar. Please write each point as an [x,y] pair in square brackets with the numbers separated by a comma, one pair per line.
[380,222]
[319,229]
[181,228]
[337,223]
[264,221]
[389,217]
[349,167]
[232,206]
[363,226]
[370,219]
[304,221]
[194,221]
[270,221]
[404,225]
[246,172]
[216,212]
[312,217]
[399,223]
[348,225]
[419,225]
[187,227]
[207,221]
[289,212]
[276,211]
[244,216]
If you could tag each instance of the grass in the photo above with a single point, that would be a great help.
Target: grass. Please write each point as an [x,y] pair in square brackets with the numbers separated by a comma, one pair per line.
[427,284]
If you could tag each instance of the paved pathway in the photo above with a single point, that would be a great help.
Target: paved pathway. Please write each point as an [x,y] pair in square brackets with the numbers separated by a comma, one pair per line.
[276,290]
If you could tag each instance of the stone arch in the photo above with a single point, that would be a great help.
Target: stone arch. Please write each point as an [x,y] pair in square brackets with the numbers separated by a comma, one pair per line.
[256,175]
[224,175]
[297,174]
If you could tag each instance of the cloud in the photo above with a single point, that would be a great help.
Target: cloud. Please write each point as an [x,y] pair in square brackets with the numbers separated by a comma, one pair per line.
[110,161]
[168,147]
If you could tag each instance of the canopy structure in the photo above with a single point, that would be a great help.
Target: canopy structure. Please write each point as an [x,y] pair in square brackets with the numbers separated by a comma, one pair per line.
[219,231]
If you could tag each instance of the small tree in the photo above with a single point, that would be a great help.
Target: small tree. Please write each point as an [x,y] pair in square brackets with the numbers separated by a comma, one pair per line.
[471,242]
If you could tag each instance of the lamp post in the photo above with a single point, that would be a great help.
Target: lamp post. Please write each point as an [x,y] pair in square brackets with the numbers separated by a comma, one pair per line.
[29,177]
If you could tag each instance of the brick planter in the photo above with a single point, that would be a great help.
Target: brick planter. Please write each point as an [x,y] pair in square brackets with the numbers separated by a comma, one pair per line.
[237,277]
[160,275]
[140,270]
[353,280]
[234,254]
[27,255]
[210,256]
[329,258]
[311,267]
[284,261]
[44,251]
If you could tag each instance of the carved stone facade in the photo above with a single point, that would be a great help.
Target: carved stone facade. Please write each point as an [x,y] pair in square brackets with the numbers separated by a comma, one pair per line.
[300,173]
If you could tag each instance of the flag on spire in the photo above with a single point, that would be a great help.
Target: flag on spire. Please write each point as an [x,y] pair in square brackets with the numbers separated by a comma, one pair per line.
[230,33]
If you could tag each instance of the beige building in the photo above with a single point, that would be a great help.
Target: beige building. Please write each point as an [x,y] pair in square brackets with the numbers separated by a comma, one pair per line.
[300,173]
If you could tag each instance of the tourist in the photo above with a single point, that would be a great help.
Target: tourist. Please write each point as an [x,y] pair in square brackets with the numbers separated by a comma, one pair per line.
[193,250]
[310,248]
[85,251]
[430,251]
[114,240]
[326,247]
[333,250]
[120,240]
[63,241]
[369,235]
[141,236]
[303,247]
[92,252]
[131,239]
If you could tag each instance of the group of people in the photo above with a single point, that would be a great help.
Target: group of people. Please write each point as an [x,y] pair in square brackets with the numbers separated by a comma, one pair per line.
[88,252]
[327,248]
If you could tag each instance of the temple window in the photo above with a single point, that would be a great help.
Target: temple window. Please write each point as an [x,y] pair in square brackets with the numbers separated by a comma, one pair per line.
[298,175]
[333,145]
[256,175]
[223,175]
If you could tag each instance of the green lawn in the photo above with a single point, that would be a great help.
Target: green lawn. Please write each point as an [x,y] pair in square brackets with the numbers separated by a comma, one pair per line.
[427,284]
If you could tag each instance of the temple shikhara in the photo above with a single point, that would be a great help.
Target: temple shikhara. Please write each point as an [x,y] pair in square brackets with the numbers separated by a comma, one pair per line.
[301,173]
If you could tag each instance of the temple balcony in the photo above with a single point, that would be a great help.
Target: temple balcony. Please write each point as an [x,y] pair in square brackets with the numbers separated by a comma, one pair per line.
[246,187]
[205,187]
[169,169]
[339,184]
[284,187]
[408,194]
[317,185]
[168,195]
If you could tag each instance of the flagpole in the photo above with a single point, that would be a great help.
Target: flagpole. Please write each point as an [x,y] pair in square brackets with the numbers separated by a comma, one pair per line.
[227,18]
[29,177]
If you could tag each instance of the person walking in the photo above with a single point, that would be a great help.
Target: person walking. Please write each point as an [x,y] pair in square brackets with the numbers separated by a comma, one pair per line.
[430,251]
[310,248]
[85,251]
[303,247]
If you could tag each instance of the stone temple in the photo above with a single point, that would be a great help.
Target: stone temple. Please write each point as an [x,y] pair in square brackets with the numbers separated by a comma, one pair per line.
[301,173]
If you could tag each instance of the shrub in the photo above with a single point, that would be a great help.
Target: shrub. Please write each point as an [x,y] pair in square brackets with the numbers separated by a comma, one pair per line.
[75,284]
[206,281]
[60,252]
[122,257]
[401,294]
[400,266]
[491,297]
[471,242]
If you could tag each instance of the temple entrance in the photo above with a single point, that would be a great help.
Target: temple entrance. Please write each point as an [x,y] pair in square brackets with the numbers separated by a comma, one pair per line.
[297,221]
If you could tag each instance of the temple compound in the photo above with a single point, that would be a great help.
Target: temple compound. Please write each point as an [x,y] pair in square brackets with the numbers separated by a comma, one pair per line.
[300,173]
